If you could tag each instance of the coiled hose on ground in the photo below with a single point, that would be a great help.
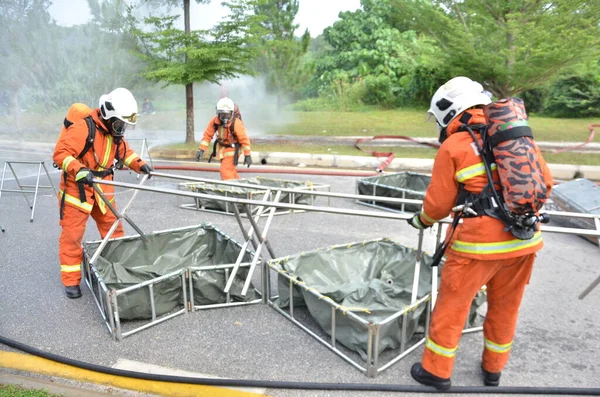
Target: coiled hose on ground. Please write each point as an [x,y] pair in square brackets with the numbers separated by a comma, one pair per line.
[545,391]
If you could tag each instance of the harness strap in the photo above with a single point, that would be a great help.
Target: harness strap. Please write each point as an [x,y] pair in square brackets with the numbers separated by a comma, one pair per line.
[235,144]
[81,187]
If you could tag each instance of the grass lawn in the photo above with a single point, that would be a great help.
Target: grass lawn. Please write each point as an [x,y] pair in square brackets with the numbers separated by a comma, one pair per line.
[399,152]
[409,122]
[15,391]
[412,123]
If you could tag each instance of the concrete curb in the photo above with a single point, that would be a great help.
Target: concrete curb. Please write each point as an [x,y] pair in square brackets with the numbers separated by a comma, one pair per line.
[350,141]
[559,171]
[42,366]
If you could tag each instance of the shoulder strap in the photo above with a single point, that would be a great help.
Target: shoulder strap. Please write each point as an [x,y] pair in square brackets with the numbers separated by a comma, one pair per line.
[231,128]
[89,142]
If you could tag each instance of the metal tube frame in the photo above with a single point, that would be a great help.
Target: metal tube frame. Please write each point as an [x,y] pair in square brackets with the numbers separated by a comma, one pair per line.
[373,329]
[250,196]
[23,188]
[249,238]
[107,299]
[371,202]
[228,303]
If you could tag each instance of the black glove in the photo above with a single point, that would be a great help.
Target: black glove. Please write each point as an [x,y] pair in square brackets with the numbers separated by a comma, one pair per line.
[248,161]
[415,222]
[85,177]
[146,169]
[199,155]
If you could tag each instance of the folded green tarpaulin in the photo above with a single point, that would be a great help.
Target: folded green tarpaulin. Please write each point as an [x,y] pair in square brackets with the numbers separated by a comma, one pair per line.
[408,185]
[249,192]
[373,279]
[579,195]
[130,261]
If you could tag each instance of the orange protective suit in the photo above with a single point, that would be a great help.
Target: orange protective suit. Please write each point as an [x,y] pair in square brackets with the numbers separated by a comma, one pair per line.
[225,144]
[480,253]
[76,212]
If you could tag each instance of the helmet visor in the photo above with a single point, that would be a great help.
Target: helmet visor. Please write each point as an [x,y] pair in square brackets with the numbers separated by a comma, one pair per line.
[131,119]
[118,127]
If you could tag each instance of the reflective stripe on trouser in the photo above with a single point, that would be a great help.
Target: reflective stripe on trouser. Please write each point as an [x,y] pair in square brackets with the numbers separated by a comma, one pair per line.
[70,252]
[461,279]
[228,169]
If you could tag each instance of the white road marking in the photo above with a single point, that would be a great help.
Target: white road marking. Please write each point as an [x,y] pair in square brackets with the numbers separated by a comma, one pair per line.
[137,366]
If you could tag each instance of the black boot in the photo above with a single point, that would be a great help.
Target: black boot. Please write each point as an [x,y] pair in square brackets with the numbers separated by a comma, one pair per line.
[491,378]
[73,292]
[422,376]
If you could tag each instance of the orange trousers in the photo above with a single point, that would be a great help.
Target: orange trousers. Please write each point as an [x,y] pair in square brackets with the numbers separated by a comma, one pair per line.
[227,169]
[70,252]
[461,279]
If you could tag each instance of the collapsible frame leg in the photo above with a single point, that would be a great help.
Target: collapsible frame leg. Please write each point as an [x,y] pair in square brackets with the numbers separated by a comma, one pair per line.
[23,189]
[249,238]
[263,241]
[415,289]
[435,270]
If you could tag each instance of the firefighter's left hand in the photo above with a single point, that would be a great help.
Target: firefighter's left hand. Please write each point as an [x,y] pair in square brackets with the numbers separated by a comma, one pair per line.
[416,222]
[146,169]
[248,161]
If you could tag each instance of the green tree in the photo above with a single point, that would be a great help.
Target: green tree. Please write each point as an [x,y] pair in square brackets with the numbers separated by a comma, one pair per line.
[280,61]
[26,57]
[175,56]
[509,46]
[47,67]
[370,47]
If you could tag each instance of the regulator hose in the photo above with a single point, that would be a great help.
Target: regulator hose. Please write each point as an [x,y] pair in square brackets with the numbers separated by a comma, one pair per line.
[298,385]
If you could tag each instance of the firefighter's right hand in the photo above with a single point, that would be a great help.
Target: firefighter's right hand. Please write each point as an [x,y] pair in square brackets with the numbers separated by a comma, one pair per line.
[199,155]
[416,222]
[85,177]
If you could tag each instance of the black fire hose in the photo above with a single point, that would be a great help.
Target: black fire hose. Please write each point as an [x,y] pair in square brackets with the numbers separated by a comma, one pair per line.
[546,391]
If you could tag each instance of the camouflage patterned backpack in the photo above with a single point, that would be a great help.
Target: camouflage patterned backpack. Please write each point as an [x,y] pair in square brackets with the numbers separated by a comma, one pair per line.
[516,156]
[507,143]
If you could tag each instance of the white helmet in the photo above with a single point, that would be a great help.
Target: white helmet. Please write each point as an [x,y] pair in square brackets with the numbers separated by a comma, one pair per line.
[454,97]
[225,108]
[121,104]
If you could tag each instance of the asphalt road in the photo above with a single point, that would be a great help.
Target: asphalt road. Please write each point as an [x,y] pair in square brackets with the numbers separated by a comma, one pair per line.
[557,339]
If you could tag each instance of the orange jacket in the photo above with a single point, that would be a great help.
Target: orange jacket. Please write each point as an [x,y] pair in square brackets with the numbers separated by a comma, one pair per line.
[225,137]
[98,158]
[458,161]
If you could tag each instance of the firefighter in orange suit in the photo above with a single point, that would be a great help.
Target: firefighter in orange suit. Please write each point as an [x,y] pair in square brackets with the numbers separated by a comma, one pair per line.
[81,162]
[231,136]
[481,251]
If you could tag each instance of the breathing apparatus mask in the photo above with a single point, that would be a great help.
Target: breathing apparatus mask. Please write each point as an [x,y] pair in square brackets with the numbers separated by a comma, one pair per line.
[225,117]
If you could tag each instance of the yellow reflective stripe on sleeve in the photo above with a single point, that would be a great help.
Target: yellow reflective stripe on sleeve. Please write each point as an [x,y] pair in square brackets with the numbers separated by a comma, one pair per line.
[104,161]
[442,351]
[472,171]
[496,347]
[87,207]
[428,219]
[70,268]
[497,248]
[129,159]
[66,162]
[246,148]
[205,143]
